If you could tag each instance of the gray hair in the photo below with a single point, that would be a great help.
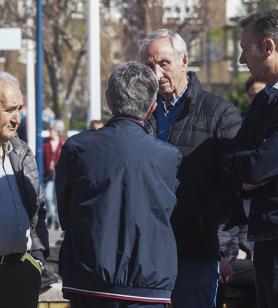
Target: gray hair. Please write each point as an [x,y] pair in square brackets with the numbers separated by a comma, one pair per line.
[132,88]
[58,125]
[7,77]
[176,40]
[265,23]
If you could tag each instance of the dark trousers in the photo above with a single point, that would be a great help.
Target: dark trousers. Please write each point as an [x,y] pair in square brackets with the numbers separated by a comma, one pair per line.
[196,284]
[266,266]
[80,301]
[19,285]
[244,274]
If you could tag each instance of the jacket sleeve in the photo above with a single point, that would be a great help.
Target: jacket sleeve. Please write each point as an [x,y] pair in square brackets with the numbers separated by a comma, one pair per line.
[254,165]
[243,241]
[224,241]
[229,122]
[40,242]
[63,177]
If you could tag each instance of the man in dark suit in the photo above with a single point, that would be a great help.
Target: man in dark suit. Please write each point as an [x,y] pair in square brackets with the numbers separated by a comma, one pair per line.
[254,158]
[116,192]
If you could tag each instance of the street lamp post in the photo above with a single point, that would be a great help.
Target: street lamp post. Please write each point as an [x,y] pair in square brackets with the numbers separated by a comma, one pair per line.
[94,108]
[39,89]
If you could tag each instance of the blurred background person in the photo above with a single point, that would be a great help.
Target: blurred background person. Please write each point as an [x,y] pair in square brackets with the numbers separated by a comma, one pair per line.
[51,152]
[95,124]
[252,87]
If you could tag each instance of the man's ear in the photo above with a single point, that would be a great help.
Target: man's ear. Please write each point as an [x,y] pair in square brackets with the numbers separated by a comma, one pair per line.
[185,61]
[269,46]
[151,110]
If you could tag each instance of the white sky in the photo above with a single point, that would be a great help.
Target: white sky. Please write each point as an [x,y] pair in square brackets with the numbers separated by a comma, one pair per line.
[234,8]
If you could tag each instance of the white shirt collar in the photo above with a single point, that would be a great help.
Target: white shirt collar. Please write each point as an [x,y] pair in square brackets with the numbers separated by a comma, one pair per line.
[275,85]
[8,147]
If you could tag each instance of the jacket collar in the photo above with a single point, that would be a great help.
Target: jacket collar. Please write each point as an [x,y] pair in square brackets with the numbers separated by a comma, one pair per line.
[193,89]
[17,145]
[126,118]
[8,147]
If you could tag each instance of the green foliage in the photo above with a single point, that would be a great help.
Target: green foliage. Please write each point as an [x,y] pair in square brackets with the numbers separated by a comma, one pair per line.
[79,124]
[235,92]
[267,4]
[105,116]
[216,33]
[260,5]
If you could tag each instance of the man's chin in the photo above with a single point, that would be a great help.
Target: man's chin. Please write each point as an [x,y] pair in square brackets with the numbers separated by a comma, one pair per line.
[165,91]
[9,136]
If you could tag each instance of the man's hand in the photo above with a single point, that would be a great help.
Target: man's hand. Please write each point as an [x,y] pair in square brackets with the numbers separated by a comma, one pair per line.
[247,186]
[226,271]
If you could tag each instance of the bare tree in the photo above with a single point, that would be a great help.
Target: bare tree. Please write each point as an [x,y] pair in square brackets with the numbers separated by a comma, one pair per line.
[124,23]
[64,48]
[64,44]
[138,18]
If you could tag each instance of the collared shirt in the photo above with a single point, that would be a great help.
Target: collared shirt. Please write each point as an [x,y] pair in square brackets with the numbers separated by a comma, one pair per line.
[14,220]
[169,106]
[271,91]
[166,114]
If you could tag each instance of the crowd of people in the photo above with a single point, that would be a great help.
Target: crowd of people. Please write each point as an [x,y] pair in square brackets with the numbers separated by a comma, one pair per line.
[155,204]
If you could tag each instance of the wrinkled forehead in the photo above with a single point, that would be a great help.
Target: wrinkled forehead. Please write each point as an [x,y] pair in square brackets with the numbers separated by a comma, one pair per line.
[159,48]
[10,93]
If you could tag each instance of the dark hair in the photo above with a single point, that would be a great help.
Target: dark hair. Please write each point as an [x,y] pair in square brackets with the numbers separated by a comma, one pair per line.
[265,23]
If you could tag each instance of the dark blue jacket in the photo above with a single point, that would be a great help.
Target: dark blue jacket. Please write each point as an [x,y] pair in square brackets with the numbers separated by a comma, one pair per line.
[254,160]
[116,192]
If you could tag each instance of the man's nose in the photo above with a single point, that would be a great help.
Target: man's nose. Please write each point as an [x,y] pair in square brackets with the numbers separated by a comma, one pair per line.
[242,59]
[16,118]
[158,72]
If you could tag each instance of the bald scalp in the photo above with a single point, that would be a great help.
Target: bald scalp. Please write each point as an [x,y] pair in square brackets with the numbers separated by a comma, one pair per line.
[9,91]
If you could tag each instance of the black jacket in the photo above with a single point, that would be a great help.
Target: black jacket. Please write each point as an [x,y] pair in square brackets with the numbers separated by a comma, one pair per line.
[116,192]
[255,160]
[25,170]
[195,220]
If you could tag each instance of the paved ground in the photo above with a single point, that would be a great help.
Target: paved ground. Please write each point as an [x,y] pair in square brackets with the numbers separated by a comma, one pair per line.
[54,236]
[53,293]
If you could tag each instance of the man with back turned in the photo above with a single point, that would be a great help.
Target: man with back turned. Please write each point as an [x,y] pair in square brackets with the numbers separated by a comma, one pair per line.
[116,192]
